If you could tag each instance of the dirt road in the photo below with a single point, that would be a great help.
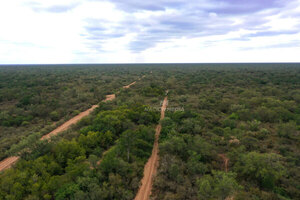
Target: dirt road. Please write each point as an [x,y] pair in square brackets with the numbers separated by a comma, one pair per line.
[225,161]
[152,164]
[128,86]
[8,162]
[75,119]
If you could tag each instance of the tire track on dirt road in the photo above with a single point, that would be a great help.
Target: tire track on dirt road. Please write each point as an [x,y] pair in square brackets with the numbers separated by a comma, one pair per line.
[152,164]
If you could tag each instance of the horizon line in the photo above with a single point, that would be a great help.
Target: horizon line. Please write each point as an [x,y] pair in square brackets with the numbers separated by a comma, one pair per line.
[154,63]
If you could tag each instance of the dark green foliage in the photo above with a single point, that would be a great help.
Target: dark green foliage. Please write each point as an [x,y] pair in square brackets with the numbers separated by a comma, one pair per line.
[248,113]
[32,97]
[264,169]
[245,115]
[153,91]
[69,169]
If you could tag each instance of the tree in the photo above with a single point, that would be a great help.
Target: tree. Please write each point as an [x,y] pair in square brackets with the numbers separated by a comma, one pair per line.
[176,146]
[263,168]
[93,160]
[66,150]
[287,130]
[266,115]
[67,191]
[127,141]
[54,116]
[218,185]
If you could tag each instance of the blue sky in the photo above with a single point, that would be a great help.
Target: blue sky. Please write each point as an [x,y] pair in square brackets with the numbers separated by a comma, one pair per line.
[157,31]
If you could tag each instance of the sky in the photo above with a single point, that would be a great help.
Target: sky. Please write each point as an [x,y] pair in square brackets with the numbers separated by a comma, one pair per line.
[156,31]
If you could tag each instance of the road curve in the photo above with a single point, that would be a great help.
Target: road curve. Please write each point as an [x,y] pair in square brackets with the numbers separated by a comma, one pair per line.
[152,164]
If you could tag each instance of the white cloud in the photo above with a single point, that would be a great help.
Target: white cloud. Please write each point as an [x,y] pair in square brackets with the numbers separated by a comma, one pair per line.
[55,32]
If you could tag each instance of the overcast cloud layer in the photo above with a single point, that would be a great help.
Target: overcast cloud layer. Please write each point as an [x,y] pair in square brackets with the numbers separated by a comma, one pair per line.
[130,31]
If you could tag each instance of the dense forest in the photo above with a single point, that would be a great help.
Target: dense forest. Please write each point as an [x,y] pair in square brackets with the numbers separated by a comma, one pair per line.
[246,117]
[36,99]
[231,131]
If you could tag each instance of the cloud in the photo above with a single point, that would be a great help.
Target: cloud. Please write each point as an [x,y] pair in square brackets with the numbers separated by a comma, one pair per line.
[272,33]
[237,7]
[134,29]
[60,8]
[179,19]
[291,44]
[52,8]
[216,6]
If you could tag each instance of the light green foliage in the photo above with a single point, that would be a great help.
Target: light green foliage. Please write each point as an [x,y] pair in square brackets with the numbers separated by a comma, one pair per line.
[54,116]
[127,140]
[94,140]
[219,185]
[66,150]
[254,125]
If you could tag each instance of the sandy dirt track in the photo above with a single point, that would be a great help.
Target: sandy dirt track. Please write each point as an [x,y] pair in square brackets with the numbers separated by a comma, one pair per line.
[128,86]
[67,124]
[225,161]
[8,162]
[75,119]
[152,164]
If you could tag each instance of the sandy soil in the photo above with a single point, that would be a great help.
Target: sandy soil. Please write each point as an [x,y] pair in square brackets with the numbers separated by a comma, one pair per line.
[225,161]
[67,124]
[152,164]
[128,86]
[109,97]
[8,162]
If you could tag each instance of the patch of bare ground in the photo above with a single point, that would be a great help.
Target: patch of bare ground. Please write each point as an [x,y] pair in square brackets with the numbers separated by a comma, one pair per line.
[8,162]
[225,161]
[128,86]
[234,140]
